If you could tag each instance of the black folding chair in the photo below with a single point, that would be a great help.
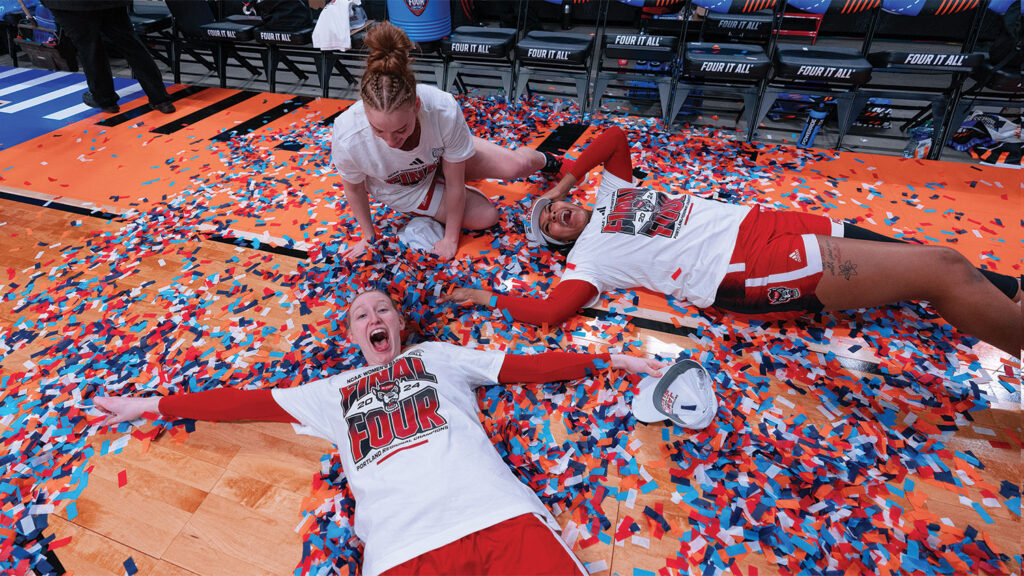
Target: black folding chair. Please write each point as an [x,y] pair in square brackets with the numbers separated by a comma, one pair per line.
[197,28]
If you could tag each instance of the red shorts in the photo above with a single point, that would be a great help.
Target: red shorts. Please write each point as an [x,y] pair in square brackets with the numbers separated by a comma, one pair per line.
[522,545]
[776,264]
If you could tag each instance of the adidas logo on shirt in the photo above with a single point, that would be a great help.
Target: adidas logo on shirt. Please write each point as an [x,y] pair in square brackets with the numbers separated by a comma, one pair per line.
[795,255]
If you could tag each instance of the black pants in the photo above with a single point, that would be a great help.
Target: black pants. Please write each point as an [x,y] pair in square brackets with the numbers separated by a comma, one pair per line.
[87,29]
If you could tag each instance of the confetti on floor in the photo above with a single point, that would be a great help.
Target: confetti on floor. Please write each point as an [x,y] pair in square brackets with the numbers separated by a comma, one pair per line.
[856,485]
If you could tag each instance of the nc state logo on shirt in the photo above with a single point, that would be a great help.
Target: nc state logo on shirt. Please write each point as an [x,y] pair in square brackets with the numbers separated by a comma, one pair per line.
[416,6]
[387,393]
[386,408]
[646,212]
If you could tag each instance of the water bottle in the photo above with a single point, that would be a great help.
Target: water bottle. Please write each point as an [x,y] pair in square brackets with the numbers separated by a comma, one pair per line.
[920,141]
[815,118]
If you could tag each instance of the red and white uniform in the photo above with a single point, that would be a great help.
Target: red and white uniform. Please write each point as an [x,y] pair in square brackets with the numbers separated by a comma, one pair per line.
[404,180]
[739,258]
[421,468]
[673,244]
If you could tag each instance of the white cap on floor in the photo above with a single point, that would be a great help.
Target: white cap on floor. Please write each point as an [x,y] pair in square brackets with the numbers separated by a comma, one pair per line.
[421,233]
[684,394]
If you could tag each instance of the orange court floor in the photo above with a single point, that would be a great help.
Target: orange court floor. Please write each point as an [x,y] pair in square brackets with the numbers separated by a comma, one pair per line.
[153,254]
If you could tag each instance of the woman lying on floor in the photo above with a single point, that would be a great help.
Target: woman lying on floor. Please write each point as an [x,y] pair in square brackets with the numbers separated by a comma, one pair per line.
[433,496]
[741,258]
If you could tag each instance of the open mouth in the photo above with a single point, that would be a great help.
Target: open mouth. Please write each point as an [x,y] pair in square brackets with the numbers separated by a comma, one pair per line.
[564,216]
[379,340]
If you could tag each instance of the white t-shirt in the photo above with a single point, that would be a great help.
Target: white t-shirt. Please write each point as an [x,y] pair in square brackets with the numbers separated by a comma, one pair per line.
[673,244]
[396,177]
[419,463]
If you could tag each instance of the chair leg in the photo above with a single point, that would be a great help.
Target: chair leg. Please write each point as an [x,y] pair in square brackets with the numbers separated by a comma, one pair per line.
[506,83]
[750,105]
[664,94]
[451,76]
[221,56]
[211,66]
[766,104]
[318,63]
[956,117]
[176,61]
[522,83]
[329,58]
[600,85]
[844,103]
[439,72]
[234,53]
[582,91]
[291,65]
[272,58]
[940,112]
[343,70]
[677,103]
[859,102]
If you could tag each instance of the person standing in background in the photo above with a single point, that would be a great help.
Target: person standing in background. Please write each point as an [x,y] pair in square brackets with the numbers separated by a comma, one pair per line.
[87,23]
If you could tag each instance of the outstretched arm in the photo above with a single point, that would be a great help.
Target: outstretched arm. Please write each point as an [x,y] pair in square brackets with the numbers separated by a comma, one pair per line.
[555,366]
[568,297]
[610,149]
[221,404]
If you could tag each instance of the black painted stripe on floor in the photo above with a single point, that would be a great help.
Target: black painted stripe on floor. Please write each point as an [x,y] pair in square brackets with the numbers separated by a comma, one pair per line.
[290,145]
[264,118]
[145,109]
[329,121]
[655,325]
[80,210]
[647,323]
[205,113]
[562,138]
[247,243]
[659,326]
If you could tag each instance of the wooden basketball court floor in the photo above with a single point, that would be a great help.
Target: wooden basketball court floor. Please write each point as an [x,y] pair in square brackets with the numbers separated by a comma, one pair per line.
[150,254]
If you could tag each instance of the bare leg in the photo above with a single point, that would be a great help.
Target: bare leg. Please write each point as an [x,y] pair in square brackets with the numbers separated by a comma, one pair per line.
[860,273]
[493,161]
[479,214]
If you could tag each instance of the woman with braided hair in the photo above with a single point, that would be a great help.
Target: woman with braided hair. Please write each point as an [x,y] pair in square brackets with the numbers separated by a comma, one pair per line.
[409,145]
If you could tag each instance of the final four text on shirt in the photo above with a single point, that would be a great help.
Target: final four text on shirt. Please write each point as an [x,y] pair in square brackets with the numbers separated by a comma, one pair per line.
[386,406]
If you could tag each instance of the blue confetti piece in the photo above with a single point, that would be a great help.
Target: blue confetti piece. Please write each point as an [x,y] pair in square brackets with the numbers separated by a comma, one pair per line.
[981,512]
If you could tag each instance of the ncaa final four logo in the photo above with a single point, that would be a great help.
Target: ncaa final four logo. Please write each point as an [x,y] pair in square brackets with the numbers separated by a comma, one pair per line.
[416,6]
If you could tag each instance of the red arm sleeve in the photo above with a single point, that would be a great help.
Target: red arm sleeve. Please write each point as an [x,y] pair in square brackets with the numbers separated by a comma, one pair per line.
[548,367]
[225,404]
[611,149]
[568,297]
